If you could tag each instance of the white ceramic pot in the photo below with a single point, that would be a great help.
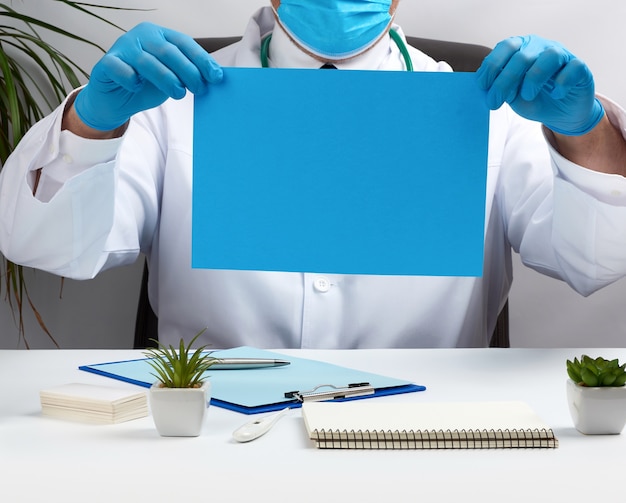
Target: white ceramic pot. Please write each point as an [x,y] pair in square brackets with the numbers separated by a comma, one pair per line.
[597,411]
[179,412]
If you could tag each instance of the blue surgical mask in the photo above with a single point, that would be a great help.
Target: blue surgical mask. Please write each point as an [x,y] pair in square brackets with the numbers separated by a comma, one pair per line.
[335,29]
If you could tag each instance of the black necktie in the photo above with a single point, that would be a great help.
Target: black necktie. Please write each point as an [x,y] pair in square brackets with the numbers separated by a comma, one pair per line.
[328,66]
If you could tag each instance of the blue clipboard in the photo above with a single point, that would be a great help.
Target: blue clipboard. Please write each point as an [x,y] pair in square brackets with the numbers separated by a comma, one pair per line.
[253,391]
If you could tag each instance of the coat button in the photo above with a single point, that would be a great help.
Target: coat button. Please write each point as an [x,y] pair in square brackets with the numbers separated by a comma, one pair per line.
[321,284]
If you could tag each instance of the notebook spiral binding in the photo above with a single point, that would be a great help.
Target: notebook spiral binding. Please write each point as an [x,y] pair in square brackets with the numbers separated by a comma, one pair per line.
[435,439]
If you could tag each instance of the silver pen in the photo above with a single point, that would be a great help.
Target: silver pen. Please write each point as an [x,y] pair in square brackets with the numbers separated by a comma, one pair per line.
[246,363]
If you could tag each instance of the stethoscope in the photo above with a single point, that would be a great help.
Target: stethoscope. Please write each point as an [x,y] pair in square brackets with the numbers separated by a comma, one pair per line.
[265,46]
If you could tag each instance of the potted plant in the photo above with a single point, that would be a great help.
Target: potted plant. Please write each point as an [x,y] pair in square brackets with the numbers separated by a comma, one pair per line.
[180,397]
[34,78]
[596,395]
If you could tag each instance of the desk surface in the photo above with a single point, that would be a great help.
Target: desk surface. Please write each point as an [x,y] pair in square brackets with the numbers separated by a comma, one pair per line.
[46,459]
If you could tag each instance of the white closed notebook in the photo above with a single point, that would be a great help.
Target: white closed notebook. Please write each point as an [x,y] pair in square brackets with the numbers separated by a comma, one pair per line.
[425,425]
[93,403]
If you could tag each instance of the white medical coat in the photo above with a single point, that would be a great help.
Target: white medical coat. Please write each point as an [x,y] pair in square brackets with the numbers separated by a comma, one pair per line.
[101,203]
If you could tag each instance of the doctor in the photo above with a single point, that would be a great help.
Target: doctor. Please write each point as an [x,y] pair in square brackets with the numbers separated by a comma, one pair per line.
[107,176]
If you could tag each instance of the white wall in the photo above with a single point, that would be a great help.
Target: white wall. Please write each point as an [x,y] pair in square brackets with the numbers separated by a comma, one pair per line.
[544,312]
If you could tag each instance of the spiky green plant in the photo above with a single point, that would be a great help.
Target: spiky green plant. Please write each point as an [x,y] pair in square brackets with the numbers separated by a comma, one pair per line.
[180,368]
[596,371]
[34,78]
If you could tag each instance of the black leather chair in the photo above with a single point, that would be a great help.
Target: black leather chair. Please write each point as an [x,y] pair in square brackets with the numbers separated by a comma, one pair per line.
[461,56]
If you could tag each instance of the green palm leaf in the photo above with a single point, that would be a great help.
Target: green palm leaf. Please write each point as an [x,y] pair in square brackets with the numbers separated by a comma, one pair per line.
[34,78]
[177,368]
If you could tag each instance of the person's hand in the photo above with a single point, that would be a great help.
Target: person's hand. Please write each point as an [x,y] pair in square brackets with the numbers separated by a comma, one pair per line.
[542,81]
[145,66]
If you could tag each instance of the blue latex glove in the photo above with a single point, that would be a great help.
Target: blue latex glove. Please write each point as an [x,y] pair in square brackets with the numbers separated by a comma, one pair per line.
[542,81]
[145,66]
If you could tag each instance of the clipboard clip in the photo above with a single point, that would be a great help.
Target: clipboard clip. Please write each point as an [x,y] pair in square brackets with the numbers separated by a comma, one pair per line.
[336,392]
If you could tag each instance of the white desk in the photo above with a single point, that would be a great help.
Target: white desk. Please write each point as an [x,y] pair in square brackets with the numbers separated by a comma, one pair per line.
[46,459]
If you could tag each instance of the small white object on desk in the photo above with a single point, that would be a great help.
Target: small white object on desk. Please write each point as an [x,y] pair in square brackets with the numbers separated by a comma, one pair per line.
[258,427]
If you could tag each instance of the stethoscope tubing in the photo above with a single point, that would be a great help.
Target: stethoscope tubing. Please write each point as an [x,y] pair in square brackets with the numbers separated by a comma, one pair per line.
[395,36]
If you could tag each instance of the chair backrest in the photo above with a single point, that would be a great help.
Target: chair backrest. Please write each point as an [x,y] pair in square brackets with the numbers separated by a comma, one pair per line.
[462,57]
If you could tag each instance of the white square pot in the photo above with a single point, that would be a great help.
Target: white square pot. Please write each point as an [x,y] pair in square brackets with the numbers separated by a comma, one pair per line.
[179,412]
[597,410]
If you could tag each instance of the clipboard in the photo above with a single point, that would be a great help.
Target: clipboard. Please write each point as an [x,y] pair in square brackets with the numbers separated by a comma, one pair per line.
[252,391]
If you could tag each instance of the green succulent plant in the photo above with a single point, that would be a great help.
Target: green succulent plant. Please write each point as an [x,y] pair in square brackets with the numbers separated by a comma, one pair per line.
[594,372]
[182,367]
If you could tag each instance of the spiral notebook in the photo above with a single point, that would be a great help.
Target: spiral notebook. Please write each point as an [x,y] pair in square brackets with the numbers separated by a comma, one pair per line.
[420,425]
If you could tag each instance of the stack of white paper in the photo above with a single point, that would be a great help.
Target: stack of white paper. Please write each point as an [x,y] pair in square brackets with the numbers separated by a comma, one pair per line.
[94,404]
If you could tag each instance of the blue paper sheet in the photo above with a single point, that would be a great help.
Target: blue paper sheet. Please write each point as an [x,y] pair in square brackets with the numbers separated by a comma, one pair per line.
[351,172]
[252,391]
